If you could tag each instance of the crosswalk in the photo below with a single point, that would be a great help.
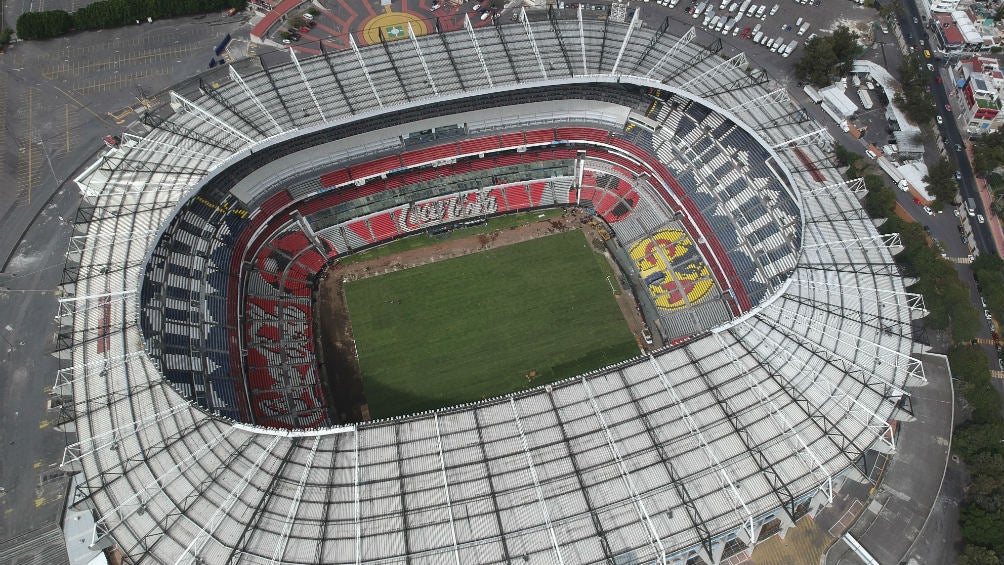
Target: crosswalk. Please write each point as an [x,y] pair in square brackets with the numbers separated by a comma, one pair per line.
[984,341]
[959,260]
[997,374]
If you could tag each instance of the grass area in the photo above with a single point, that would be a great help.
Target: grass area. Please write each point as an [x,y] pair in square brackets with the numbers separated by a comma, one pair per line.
[423,239]
[472,327]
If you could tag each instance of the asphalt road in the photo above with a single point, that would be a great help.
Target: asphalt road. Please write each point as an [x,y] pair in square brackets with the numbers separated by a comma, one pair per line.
[950,129]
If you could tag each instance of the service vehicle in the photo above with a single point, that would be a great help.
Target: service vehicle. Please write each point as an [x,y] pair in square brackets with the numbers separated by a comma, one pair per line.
[866,99]
[761,12]
[790,48]
[804,28]
[775,9]
[757,37]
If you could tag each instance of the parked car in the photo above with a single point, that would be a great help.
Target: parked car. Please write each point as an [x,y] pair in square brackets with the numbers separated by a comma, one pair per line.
[979,218]
[948,107]
[940,120]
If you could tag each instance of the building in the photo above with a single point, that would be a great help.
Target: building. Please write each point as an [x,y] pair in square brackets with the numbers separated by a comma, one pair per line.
[978,94]
[780,386]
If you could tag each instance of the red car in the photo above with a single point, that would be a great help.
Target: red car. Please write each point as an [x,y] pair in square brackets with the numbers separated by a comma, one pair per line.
[938,79]
[304,29]
[948,107]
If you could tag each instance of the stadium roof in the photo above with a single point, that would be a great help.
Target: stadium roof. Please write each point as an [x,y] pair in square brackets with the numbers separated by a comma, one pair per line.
[691,454]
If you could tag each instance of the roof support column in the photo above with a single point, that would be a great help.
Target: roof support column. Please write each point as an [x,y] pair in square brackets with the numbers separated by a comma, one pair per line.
[639,505]
[261,107]
[303,77]
[627,39]
[477,48]
[209,118]
[446,489]
[685,38]
[695,431]
[421,58]
[536,482]
[280,548]
[137,502]
[191,552]
[533,44]
[366,73]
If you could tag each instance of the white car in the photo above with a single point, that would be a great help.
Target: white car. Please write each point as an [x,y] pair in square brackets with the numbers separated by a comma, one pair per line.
[956,212]
[928,210]
[980,218]
[308,16]
[940,120]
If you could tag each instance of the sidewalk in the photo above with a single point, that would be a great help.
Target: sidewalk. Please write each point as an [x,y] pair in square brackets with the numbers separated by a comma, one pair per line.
[890,524]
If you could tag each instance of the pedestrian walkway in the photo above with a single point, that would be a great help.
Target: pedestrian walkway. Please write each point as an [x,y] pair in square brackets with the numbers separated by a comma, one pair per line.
[997,374]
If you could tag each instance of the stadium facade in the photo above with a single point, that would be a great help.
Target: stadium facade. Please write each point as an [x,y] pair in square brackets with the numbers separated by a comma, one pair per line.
[200,426]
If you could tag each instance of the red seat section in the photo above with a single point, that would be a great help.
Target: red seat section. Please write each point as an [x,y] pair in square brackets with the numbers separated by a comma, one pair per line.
[516,197]
[537,192]
[335,178]
[375,167]
[513,140]
[384,226]
[539,136]
[583,134]
[479,145]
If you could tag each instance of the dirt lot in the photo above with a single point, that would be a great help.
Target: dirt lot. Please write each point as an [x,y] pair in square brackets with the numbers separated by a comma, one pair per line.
[336,346]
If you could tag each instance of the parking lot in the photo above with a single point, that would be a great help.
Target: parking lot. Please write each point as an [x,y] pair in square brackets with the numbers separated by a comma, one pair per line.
[822,19]
[58,98]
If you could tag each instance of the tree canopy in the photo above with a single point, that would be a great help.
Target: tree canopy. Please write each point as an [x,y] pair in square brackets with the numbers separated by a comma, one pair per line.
[113,13]
[940,180]
[827,58]
[915,100]
[988,152]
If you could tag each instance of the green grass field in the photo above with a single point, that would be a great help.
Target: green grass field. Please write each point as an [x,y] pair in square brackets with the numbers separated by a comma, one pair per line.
[473,327]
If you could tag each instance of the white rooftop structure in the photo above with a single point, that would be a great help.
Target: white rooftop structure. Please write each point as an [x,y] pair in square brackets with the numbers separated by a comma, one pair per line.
[797,365]
[967,27]
[835,97]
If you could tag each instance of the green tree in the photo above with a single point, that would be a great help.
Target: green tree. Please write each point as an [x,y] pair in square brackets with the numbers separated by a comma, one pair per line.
[940,180]
[978,555]
[988,152]
[826,58]
[43,25]
[914,100]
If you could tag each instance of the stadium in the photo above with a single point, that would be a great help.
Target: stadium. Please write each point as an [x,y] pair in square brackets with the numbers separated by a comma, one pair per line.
[187,322]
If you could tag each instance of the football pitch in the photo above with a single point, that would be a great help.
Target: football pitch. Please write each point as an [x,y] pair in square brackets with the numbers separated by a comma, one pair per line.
[475,326]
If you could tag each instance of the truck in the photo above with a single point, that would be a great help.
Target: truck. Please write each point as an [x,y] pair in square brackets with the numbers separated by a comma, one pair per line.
[812,93]
[707,19]
[866,99]
[727,28]
[804,28]
[761,12]
[721,23]
[788,49]
[751,11]
[744,6]
[971,206]
[700,9]
[714,21]
[775,9]
[757,37]
[774,44]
